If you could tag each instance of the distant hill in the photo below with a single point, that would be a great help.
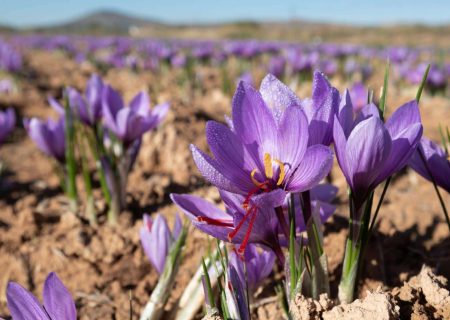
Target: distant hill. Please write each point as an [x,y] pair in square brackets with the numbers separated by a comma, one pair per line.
[106,21]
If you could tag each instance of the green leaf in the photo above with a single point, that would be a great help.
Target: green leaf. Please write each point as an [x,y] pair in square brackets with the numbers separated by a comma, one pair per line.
[384,91]
[208,285]
[422,83]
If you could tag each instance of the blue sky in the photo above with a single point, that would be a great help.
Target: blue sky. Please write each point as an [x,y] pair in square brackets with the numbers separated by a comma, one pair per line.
[25,13]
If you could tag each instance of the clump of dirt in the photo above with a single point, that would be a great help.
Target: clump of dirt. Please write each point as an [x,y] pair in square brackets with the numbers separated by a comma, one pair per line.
[424,296]
[304,308]
[376,305]
[212,316]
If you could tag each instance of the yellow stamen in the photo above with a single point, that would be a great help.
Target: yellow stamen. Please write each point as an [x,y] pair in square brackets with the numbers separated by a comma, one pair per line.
[255,182]
[268,165]
[282,172]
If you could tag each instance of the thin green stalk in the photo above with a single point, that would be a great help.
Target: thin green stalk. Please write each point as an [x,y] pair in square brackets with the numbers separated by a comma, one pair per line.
[69,132]
[207,282]
[383,97]
[90,207]
[292,261]
[94,146]
[422,84]
[380,202]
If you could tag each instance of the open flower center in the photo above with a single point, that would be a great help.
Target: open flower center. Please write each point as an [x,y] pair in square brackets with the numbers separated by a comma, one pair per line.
[269,172]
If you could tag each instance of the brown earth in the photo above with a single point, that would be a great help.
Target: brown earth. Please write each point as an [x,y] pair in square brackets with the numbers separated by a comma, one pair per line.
[102,265]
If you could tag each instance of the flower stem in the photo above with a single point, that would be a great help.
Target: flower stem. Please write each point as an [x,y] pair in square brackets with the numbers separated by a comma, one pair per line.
[349,272]
[71,172]
[282,221]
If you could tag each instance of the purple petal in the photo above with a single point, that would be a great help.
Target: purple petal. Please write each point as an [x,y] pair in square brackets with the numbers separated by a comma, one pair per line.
[436,162]
[292,138]
[405,116]
[345,114]
[195,207]
[56,105]
[402,149]
[141,104]
[368,111]
[23,305]
[324,192]
[340,146]
[231,155]
[161,242]
[315,166]
[111,104]
[212,171]
[178,226]
[368,147]
[277,96]
[159,112]
[94,92]
[40,135]
[253,121]
[58,301]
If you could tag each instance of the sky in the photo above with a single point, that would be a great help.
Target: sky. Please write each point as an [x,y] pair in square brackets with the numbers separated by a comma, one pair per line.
[27,13]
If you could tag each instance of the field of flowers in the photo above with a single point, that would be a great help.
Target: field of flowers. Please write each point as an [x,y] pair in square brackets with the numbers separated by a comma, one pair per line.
[225,179]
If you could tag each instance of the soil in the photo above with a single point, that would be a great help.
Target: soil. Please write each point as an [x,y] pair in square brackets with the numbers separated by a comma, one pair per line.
[102,265]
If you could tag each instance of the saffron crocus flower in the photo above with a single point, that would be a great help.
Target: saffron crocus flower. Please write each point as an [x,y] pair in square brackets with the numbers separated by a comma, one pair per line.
[369,151]
[157,239]
[235,224]
[266,148]
[258,265]
[48,136]
[437,163]
[58,303]
[88,109]
[130,123]
[7,123]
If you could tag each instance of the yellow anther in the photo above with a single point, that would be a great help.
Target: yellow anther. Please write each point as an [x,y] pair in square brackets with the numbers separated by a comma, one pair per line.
[255,182]
[282,172]
[268,165]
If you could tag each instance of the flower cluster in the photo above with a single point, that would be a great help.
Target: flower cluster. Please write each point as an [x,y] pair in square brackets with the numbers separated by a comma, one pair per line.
[98,119]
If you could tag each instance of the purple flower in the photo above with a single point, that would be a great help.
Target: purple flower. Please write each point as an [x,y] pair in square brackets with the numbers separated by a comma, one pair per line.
[48,136]
[236,224]
[7,123]
[157,239]
[258,265]
[267,146]
[437,162]
[369,151]
[130,123]
[58,303]
[89,110]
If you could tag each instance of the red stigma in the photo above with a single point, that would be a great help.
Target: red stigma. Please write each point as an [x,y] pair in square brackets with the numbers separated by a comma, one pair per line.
[216,222]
